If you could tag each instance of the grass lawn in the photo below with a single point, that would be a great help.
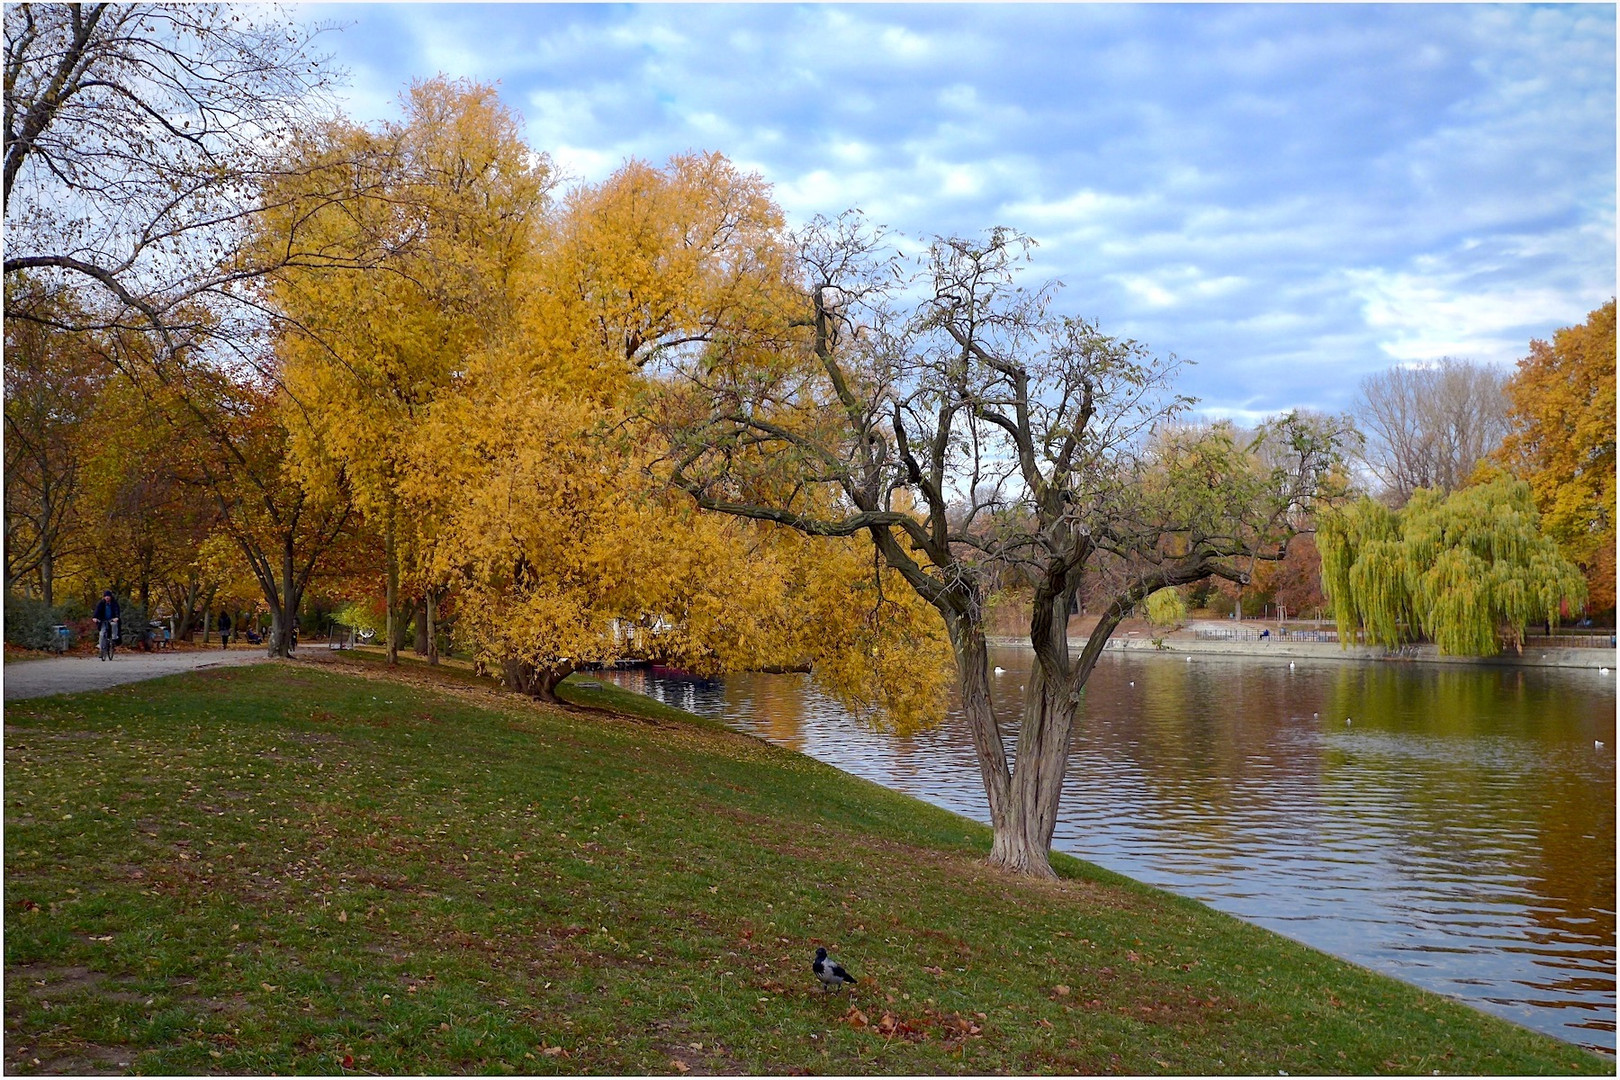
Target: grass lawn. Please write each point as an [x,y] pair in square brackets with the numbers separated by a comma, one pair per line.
[298,867]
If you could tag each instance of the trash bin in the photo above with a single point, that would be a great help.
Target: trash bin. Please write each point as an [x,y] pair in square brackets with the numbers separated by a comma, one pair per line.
[59,637]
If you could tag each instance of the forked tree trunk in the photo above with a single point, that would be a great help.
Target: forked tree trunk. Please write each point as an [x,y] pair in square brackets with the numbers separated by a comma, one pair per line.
[1023,798]
[1024,841]
[1024,794]
[536,682]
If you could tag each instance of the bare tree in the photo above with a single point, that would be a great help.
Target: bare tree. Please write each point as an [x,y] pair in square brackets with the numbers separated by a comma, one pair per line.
[1427,427]
[145,147]
[972,431]
[137,139]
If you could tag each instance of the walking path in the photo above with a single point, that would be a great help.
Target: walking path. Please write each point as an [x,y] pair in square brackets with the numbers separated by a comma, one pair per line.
[1186,642]
[73,674]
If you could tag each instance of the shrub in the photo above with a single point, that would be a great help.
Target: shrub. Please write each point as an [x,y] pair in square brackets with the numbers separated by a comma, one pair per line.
[28,622]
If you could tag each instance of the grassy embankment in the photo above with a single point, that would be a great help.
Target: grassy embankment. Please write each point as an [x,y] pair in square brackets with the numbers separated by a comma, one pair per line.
[290,868]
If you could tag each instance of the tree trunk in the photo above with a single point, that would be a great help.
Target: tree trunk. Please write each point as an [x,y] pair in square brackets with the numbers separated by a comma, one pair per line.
[1024,798]
[1023,841]
[536,682]
[284,605]
[432,630]
[391,601]
[1023,801]
[47,576]
[421,621]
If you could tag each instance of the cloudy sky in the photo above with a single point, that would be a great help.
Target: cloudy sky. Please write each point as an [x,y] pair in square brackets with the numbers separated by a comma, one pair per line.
[1290,196]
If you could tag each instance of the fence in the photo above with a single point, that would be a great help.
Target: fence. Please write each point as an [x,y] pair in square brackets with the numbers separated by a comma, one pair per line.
[1248,633]
[1604,640]
[1573,640]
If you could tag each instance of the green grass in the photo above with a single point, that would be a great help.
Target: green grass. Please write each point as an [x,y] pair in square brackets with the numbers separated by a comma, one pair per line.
[298,868]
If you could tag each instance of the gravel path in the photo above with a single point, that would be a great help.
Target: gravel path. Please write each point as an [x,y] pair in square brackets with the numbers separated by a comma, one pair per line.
[72,674]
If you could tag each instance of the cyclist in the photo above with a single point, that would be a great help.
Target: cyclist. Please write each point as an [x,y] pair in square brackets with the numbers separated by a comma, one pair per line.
[106,617]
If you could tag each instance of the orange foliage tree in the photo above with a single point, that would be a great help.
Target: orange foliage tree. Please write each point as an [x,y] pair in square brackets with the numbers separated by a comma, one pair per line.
[1562,444]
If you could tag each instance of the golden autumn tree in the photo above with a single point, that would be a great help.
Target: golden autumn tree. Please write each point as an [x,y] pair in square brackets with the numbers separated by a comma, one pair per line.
[1562,443]
[653,263]
[564,544]
[425,258]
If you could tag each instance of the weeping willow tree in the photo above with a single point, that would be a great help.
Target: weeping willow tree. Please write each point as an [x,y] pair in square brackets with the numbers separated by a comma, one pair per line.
[1458,569]
[1166,608]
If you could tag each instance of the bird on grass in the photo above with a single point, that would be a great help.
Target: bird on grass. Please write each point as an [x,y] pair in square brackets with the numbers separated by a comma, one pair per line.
[831,974]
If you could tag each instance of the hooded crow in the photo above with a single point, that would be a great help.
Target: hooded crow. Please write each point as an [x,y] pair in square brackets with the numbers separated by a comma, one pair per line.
[831,974]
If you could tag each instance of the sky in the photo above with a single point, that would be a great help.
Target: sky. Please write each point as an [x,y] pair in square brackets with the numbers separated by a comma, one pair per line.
[1291,197]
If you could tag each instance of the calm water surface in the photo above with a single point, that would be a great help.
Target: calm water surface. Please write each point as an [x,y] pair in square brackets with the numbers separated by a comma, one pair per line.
[1457,832]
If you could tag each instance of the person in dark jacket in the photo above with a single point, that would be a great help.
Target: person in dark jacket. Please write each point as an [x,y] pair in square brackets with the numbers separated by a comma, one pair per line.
[224,629]
[106,616]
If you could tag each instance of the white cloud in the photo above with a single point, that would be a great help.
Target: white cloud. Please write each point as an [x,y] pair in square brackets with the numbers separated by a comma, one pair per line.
[1419,318]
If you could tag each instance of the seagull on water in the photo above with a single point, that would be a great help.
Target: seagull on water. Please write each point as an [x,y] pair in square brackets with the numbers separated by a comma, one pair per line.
[831,974]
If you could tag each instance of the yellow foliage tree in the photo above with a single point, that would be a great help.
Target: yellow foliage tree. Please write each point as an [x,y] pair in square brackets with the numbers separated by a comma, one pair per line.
[425,251]
[1563,443]
[565,546]
[567,551]
[650,264]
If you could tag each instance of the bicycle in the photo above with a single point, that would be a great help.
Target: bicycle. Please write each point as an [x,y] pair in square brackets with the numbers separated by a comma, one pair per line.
[108,638]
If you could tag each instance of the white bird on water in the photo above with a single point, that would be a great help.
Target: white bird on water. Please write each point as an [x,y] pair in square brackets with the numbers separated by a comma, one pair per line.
[999,670]
[1347,721]
[1596,745]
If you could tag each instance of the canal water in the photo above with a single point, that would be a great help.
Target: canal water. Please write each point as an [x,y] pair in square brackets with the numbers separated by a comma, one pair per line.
[1451,826]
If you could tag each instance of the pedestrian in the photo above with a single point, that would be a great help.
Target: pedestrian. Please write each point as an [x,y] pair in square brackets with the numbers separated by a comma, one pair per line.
[224,629]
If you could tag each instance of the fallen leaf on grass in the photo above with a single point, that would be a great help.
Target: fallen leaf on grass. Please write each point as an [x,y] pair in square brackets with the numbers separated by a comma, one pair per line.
[1060,990]
[856,1018]
[934,970]
[679,1066]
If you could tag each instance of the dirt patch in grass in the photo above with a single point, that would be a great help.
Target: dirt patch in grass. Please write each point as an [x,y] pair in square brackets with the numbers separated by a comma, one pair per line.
[75,1059]
[45,982]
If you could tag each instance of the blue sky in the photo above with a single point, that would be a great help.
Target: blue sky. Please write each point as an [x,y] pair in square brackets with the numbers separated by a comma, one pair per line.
[1290,196]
